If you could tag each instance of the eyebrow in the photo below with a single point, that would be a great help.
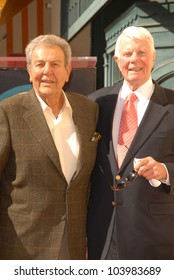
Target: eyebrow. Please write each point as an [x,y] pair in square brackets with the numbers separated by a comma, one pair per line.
[54,60]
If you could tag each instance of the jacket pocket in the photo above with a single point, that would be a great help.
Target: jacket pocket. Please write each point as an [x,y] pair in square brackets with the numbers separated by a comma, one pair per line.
[161,208]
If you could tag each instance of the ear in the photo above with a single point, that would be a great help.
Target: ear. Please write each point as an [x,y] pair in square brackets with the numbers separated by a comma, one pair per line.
[154,55]
[68,72]
[29,73]
[116,58]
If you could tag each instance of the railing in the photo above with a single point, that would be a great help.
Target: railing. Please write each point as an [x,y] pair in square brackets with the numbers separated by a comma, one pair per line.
[20,62]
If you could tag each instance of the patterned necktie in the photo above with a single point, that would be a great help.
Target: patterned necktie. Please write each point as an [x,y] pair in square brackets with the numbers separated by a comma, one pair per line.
[128,127]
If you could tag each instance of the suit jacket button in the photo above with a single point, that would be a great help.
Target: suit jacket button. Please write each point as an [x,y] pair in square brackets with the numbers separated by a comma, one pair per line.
[113,203]
[63,218]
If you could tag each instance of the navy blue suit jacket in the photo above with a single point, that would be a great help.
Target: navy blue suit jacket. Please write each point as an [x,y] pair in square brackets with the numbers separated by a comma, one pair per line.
[144,215]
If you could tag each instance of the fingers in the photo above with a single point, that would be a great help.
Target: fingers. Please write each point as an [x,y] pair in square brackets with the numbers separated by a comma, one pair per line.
[150,169]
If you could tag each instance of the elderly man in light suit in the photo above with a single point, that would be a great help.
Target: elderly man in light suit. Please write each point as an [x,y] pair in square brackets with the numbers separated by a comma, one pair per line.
[47,152]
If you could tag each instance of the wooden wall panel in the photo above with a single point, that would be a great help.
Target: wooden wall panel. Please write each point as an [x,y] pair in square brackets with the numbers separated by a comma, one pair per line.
[24,26]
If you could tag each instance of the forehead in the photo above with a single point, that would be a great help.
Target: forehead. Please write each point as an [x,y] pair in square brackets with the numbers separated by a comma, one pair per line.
[48,52]
[134,43]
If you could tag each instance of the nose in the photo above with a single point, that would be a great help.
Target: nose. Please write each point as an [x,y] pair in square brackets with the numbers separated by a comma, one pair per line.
[47,68]
[134,57]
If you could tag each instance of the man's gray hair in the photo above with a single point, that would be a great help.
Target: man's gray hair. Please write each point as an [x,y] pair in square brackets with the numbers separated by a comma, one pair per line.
[49,40]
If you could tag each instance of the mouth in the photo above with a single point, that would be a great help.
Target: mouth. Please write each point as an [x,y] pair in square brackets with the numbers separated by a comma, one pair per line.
[135,70]
[46,81]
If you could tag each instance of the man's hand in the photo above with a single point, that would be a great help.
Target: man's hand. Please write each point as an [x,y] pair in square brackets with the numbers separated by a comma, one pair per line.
[150,169]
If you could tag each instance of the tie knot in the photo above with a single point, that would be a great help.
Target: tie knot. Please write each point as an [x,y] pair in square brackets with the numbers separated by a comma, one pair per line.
[132,97]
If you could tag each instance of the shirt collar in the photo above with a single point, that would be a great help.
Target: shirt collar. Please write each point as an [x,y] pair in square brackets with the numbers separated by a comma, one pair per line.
[143,93]
[66,104]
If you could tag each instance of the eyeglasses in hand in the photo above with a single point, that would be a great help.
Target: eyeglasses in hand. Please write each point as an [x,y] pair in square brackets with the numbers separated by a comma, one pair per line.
[121,183]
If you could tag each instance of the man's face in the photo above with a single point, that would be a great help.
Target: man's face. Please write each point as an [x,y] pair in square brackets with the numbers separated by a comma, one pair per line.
[136,61]
[47,71]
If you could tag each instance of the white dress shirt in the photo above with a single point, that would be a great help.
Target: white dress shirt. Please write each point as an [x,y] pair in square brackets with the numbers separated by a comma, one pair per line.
[64,135]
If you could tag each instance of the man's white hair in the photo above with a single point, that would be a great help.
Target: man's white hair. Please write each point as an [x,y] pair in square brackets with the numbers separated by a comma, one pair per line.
[134,32]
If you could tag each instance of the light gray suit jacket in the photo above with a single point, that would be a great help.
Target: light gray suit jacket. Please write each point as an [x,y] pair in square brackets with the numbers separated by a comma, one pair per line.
[35,201]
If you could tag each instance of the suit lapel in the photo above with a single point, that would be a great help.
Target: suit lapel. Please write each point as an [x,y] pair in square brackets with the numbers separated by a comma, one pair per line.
[35,120]
[107,106]
[153,115]
[111,156]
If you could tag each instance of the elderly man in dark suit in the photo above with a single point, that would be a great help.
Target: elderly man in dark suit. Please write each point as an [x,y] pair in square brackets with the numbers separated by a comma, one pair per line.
[47,152]
[131,206]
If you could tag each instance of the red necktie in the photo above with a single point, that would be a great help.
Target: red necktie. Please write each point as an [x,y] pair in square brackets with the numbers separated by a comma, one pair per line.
[128,127]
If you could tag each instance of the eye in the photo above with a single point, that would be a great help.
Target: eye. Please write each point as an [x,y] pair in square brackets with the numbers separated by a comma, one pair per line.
[127,54]
[56,64]
[141,53]
[39,64]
